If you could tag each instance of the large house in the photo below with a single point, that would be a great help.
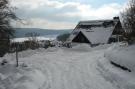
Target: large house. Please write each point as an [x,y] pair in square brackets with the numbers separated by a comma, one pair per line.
[97,32]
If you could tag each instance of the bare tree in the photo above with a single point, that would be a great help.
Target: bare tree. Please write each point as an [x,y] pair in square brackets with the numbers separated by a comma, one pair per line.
[32,40]
[32,36]
[6,31]
[128,17]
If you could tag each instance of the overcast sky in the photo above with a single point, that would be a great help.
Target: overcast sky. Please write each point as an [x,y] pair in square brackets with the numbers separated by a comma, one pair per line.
[65,14]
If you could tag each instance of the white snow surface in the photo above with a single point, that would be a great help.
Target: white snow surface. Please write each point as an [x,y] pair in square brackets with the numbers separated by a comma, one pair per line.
[124,55]
[99,35]
[80,67]
[40,38]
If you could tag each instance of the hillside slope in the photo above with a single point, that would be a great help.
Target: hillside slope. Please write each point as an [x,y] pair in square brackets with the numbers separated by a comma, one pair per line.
[20,32]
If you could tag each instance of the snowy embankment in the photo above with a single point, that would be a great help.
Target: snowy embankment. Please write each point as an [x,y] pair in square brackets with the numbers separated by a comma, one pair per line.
[80,67]
[20,78]
[122,56]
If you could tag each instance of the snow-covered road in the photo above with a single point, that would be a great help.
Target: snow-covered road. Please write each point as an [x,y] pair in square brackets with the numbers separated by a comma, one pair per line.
[80,67]
[69,69]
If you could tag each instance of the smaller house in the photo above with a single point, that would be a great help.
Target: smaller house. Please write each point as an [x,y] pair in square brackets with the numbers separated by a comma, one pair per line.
[97,32]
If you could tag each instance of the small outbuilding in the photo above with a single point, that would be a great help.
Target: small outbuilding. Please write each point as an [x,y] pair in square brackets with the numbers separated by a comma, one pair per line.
[97,32]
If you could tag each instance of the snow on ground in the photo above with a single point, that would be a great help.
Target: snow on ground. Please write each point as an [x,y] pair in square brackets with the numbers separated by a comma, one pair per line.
[80,67]
[40,38]
[18,78]
[122,55]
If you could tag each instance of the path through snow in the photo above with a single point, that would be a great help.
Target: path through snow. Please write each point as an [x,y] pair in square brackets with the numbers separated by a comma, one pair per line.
[69,69]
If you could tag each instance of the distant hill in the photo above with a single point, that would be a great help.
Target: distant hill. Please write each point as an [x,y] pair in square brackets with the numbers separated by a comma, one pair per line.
[20,32]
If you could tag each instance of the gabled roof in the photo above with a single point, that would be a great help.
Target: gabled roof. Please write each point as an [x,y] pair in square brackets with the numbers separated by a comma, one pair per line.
[98,35]
[96,31]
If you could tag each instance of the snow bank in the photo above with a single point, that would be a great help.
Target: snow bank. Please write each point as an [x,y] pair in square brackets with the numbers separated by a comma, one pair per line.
[12,77]
[87,47]
[102,46]
[118,77]
[27,53]
[82,47]
[125,56]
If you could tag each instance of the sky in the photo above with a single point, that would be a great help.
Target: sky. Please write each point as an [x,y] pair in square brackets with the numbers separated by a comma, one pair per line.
[64,14]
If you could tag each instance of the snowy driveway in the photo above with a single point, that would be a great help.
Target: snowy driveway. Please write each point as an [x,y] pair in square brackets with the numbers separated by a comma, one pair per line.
[69,69]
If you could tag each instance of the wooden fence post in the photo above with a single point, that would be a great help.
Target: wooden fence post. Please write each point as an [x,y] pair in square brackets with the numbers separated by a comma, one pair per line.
[17,64]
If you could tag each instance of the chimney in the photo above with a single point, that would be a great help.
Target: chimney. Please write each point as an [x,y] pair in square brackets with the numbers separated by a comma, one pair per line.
[116,18]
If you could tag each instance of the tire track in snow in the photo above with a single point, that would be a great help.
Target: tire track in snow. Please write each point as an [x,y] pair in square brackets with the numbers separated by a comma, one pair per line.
[70,70]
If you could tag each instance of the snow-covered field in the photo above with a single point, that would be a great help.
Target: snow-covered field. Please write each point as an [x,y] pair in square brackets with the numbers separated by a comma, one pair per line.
[80,67]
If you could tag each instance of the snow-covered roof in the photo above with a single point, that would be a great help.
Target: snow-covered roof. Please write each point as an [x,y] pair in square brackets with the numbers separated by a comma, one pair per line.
[98,35]
[96,31]
[93,22]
